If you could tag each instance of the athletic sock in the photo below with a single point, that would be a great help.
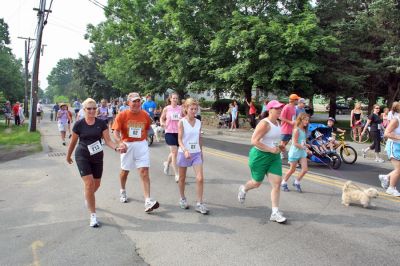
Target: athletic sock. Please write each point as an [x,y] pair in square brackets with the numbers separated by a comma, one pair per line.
[93,215]
[275,209]
[121,190]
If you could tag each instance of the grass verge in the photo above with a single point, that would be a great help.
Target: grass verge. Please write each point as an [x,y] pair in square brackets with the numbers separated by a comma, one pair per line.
[13,137]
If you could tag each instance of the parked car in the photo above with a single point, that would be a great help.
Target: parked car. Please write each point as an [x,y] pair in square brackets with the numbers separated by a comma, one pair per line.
[341,108]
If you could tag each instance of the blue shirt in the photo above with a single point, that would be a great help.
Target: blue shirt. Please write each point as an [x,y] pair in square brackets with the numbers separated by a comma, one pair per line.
[149,107]
[299,111]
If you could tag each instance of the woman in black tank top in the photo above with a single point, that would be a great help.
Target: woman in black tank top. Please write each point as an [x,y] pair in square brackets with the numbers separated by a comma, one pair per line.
[355,122]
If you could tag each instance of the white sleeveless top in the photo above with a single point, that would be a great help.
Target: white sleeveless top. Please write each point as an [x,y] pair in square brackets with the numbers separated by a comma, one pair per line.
[273,136]
[396,131]
[191,136]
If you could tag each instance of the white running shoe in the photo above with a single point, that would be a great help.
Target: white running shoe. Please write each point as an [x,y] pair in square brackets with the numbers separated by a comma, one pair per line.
[277,217]
[166,168]
[93,222]
[241,194]
[123,197]
[183,204]
[201,208]
[379,160]
[393,191]
[384,181]
[176,178]
[151,205]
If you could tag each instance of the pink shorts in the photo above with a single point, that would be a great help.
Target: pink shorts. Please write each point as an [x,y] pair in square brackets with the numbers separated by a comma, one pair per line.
[195,159]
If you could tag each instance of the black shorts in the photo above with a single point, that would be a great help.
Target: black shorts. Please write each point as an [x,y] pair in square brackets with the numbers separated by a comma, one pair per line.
[171,139]
[76,111]
[39,114]
[90,166]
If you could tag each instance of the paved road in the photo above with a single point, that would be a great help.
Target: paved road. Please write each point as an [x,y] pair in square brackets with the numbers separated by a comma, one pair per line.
[44,222]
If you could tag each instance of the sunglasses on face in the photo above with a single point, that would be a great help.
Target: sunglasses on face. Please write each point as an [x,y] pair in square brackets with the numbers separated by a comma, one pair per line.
[91,108]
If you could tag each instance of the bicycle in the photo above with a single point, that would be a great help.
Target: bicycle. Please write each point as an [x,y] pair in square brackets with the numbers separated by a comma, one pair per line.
[347,153]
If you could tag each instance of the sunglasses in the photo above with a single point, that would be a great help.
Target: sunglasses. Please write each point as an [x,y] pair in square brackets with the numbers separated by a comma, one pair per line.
[91,108]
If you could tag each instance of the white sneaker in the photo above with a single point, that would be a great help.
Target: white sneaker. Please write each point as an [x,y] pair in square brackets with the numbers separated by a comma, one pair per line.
[241,194]
[393,191]
[201,208]
[384,181]
[379,160]
[364,153]
[93,222]
[151,205]
[123,197]
[176,178]
[277,217]
[183,204]
[166,168]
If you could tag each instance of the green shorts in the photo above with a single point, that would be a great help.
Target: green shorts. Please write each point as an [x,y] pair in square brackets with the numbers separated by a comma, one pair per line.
[262,163]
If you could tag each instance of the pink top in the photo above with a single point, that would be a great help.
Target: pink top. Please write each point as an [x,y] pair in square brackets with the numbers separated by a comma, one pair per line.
[289,113]
[252,109]
[173,116]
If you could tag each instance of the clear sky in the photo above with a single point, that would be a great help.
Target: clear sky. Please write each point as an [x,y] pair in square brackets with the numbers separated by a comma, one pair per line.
[63,34]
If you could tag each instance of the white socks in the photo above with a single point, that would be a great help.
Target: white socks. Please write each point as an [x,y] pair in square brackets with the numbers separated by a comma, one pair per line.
[275,209]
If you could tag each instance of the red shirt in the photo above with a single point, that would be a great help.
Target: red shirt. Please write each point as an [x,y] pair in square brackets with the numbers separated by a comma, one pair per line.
[133,126]
[16,109]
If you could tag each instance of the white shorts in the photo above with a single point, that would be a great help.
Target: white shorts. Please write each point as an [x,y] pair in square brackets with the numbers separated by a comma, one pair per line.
[62,127]
[137,156]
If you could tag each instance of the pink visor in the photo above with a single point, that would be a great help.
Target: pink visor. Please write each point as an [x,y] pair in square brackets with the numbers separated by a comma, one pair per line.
[274,104]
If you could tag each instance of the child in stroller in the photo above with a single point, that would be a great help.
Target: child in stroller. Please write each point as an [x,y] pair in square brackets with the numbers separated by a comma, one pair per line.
[318,144]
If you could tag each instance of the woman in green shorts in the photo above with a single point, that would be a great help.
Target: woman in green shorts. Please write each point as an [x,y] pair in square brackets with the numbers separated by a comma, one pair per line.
[265,159]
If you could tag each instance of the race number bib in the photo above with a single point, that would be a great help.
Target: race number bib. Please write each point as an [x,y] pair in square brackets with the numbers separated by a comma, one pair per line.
[193,146]
[175,116]
[135,132]
[150,109]
[294,118]
[95,147]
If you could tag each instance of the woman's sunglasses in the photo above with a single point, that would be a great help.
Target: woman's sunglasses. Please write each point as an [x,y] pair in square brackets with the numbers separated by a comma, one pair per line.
[91,108]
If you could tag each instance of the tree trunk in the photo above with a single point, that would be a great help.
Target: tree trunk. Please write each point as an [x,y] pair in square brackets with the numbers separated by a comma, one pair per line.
[332,104]
[371,101]
[247,90]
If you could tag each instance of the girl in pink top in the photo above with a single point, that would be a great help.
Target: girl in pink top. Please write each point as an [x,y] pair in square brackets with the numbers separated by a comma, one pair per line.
[169,120]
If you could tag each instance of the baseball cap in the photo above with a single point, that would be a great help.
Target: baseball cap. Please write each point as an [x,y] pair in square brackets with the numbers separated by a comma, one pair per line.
[332,119]
[133,96]
[294,96]
[302,100]
[274,104]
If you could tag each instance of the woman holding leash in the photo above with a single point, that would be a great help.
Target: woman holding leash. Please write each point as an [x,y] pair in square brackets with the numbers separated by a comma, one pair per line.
[89,153]
[392,132]
[190,154]
[265,159]
[375,123]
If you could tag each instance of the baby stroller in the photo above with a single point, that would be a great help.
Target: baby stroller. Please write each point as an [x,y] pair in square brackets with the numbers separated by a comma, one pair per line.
[224,121]
[330,158]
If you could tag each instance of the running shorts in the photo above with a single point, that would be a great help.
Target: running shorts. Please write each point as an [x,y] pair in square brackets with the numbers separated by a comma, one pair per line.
[137,156]
[90,166]
[171,139]
[262,163]
[195,159]
[393,150]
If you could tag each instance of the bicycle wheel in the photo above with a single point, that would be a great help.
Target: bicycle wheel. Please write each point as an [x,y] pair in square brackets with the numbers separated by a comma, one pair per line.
[335,161]
[348,154]
[364,137]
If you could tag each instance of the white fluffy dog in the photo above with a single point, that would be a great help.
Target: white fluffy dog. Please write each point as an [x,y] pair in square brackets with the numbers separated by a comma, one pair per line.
[158,131]
[353,194]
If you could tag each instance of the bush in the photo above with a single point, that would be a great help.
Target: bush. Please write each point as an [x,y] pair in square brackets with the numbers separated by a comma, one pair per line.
[221,106]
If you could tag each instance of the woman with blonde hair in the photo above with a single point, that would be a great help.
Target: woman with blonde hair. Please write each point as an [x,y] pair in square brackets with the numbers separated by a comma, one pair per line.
[89,153]
[297,152]
[392,132]
[190,154]
[375,123]
[355,121]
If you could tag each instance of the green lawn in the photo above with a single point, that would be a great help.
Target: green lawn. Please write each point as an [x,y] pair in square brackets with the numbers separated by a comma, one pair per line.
[13,136]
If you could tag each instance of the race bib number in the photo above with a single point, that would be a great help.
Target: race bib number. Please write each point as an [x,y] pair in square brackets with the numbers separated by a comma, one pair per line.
[95,147]
[294,118]
[151,109]
[135,132]
[175,116]
[193,146]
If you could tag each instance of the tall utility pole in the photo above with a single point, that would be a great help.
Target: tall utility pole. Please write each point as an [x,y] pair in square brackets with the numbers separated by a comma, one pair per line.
[27,54]
[35,71]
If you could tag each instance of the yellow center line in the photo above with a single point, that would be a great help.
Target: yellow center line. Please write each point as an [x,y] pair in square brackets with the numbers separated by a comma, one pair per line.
[309,176]
[35,245]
